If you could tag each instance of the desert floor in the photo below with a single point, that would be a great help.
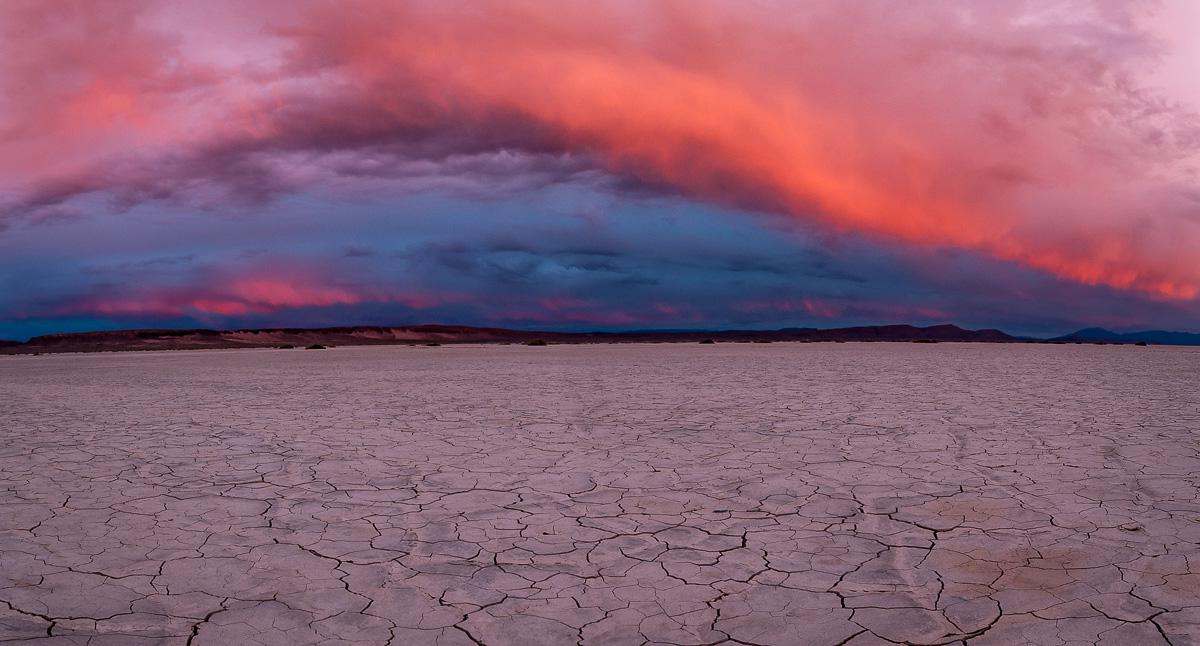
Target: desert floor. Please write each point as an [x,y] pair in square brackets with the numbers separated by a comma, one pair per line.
[616,494]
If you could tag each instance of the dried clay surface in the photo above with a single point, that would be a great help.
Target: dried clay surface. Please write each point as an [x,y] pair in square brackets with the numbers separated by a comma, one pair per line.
[636,494]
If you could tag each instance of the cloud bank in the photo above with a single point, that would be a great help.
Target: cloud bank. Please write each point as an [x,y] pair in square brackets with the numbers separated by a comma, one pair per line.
[1022,131]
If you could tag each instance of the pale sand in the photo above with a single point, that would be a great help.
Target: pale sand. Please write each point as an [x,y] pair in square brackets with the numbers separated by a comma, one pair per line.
[625,494]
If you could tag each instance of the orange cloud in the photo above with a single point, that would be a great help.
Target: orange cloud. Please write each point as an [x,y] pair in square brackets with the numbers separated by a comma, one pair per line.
[993,128]
[243,295]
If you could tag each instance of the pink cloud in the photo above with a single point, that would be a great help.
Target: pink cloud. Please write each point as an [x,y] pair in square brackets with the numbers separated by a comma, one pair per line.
[1021,131]
[242,295]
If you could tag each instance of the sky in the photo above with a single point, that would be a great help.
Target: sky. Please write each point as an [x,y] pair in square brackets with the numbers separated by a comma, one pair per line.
[1031,165]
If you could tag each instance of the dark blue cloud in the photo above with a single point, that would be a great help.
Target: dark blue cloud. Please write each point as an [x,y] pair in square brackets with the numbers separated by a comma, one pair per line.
[566,256]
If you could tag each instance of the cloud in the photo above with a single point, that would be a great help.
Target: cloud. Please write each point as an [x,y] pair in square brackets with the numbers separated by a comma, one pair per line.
[357,251]
[639,267]
[222,296]
[843,308]
[1020,130]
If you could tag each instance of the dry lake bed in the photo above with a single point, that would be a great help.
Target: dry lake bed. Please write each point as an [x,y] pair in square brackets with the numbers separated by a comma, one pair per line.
[617,494]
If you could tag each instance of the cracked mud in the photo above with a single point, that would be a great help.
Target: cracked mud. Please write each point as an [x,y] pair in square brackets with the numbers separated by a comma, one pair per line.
[748,494]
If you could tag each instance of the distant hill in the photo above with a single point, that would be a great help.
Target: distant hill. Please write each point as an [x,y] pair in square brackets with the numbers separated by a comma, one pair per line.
[199,339]
[1156,337]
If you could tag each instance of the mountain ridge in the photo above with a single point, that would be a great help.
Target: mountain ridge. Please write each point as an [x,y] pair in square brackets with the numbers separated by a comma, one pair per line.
[1156,337]
[200,338]
[203,338]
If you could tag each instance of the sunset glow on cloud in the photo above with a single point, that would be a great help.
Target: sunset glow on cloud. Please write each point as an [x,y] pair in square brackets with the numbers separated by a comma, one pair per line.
[1056,142]
[240,296]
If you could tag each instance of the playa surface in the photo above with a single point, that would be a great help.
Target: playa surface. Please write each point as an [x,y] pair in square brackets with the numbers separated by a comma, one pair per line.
[613,494]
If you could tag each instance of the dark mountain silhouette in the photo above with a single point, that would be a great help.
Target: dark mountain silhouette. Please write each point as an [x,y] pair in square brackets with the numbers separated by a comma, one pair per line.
[198,339]
[1156,337]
